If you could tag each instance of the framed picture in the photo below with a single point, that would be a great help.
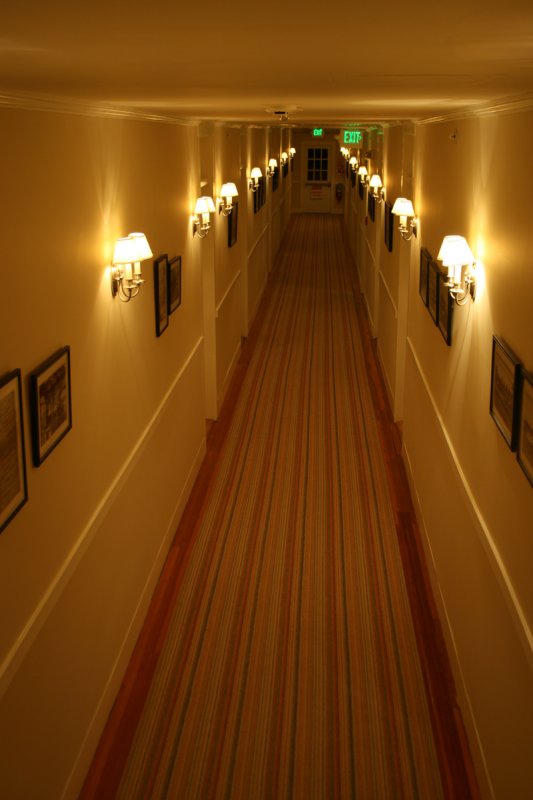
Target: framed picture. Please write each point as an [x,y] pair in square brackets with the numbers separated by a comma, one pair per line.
[504,390]
[425,259]
[525,426]
[433,291]
[372,206]
[13,486]
[388,226]
[446,305]
[161,294]
[285,169]
[50,402]
[275,179]
[260,195]
[174,283]
[233,219]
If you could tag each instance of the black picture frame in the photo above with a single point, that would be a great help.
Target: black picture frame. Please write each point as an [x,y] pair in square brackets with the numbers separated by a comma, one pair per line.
[233,220]
[361,189]
[423,285]
[285,169]
[505,380]
[388,226]
[433,291]
[50,404]
[260,194]
[352,178]
[173,284]
[13,481]
[275,179]
[524,452]
[161,294]
[372,206]
[446,306]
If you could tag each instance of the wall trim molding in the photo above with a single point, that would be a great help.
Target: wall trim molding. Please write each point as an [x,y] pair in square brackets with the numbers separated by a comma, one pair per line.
[227,292]
[389,295]
[507,105]
[116,674]
[497,564]
[87,108]
[50,597]
[262,234]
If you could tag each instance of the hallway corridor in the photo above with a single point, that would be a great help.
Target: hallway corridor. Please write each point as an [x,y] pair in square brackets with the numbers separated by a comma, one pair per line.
[293,664]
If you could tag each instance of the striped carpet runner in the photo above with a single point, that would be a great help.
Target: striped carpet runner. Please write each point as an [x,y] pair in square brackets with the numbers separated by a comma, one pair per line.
[290,669]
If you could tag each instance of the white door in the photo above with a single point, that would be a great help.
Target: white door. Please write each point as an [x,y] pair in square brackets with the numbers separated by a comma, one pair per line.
[316,184]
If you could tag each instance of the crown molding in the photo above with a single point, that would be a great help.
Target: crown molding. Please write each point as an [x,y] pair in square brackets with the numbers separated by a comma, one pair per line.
[59,105]
[506,105]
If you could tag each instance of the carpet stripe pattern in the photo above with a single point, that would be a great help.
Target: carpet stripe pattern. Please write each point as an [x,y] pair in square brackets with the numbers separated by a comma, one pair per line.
[290,669]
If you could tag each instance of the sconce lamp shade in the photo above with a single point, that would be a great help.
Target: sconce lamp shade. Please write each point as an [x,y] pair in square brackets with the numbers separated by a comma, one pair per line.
[353,162]
[273,163]
[362,171]
[454,251]
[375,181]
[143,248]
[204,205]
[229,190]
[125,251]
[403,207]
[284,157]
[292,151]
[256,173]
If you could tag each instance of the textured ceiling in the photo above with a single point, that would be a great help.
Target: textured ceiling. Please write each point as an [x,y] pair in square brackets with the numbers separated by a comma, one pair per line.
[325,63]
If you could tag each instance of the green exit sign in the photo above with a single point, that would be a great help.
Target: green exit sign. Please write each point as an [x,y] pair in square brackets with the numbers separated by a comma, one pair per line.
[318,131]
[352,137]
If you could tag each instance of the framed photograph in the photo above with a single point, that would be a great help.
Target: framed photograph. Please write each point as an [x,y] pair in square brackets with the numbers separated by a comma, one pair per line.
[372,206]
[388,227]
[50,403]
[525,426]
[425,259]
[13,486]
[505,390]
[233,219]
[174,283]
[433,291]
[161,294]
[446,305]
[260,194]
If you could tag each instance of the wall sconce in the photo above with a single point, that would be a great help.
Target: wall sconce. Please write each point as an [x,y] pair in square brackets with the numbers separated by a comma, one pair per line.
[126,276]
[345,153]
[363,174]
[225,201]
[255,174]
[272,167]
[201,221]
[284,158]
[377,187]
[455,254]
[292,152]
[403,208]
[353,163]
